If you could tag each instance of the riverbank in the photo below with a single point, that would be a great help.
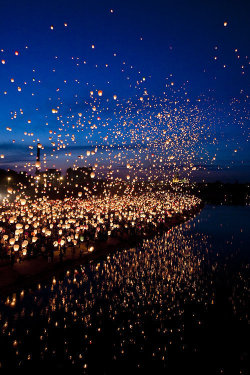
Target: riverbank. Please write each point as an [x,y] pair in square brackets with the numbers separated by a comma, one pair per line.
[30,272]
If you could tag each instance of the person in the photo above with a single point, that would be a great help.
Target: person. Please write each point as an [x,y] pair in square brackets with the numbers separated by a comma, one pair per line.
[61,255]
[12,258]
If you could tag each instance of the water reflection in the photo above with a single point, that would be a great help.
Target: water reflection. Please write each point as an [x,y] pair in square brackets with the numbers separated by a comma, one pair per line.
[129,309]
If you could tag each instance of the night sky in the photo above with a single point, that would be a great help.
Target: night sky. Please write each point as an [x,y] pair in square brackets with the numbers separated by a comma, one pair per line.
[173,75]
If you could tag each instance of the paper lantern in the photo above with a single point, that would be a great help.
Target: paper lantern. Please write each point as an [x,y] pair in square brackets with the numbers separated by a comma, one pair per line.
[16,247]
[12,241]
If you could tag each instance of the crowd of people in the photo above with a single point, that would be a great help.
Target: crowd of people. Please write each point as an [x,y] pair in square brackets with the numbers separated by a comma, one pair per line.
[32,227]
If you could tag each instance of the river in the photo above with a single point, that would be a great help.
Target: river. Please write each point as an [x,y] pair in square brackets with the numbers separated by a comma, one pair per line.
[176,303]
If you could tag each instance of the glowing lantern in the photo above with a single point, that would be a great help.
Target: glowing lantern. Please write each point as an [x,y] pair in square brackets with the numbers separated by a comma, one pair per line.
[34,239]
[25,243]
[38,164]
[5,237]
[12,241]
[92,174]
[79,194]
[23,202]
[100,93]
[2,156]
[115,97]
[16,247]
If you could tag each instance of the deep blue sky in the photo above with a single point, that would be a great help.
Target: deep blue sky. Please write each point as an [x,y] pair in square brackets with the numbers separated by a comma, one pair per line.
[183,42]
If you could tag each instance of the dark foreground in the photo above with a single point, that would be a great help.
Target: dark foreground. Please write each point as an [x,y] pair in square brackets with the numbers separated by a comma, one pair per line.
[174,304]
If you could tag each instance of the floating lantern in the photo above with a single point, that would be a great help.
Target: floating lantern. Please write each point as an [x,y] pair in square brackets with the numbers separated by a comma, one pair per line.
[12,241]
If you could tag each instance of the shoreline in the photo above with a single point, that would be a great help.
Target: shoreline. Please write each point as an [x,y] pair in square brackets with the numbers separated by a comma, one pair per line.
[29,273]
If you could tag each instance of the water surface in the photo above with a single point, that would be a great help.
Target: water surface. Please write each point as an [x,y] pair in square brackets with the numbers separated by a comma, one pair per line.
[175,303]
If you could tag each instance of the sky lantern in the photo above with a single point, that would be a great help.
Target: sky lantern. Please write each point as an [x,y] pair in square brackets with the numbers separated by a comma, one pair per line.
[3,62]
[114,97]
[100,93]
[25,243]
[16,53]
[54,110]
[92,174]
[16,247]
[12,241]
